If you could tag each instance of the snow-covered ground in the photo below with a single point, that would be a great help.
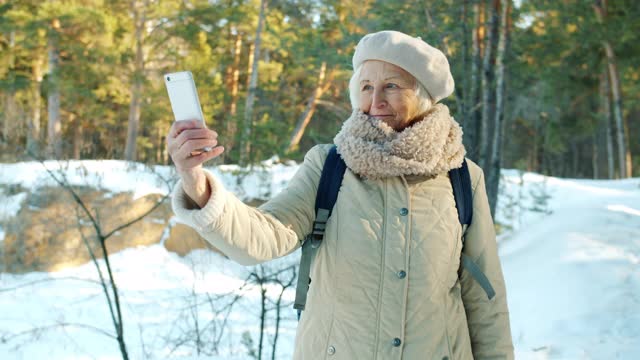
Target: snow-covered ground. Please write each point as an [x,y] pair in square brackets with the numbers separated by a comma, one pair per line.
[573,277]
[570,253]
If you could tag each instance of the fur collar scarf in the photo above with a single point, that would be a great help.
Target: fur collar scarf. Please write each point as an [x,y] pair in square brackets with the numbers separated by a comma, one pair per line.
[373,150]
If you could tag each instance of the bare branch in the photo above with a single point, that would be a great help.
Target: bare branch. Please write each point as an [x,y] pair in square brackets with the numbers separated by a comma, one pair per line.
[113,298]
[340,111]
[35,282]
[64,183]
[97,265]
[5,338]
[145,214]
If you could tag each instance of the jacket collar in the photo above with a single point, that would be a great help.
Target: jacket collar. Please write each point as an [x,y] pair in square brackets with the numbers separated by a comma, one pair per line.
[429,147]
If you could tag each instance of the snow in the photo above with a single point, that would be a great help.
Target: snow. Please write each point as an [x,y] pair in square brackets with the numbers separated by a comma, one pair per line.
[258,182]
[10,204]
[109,175]
[158,290]
[624,209]
[9,207]
[573,277]
[570,252]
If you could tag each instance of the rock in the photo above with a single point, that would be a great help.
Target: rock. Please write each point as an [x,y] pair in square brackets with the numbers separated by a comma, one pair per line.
[183,239]
[50,231]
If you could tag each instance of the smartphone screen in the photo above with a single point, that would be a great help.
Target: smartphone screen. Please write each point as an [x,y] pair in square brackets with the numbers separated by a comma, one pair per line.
[183,96]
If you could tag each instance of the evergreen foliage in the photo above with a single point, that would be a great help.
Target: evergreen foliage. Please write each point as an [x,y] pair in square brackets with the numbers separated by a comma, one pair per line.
[553,119]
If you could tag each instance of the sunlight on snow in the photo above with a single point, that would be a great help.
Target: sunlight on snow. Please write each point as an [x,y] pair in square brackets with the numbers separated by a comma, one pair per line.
[583,248]
[624,209]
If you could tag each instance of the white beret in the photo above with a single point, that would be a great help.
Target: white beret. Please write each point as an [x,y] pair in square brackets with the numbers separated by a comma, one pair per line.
[426,63]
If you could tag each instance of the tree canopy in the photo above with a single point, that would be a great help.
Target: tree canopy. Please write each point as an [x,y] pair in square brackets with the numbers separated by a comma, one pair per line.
[104,61]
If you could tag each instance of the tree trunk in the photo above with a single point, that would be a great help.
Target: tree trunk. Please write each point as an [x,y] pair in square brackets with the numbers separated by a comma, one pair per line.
[263,318]
[235,76]
[130,153]
[308,113]
[434,28]
[232,121]
[277,325]
[245,149]
[606,118]
[444,46]
[164,153]
[500,80]
[496,156]
[77,136]
[575,160]
[54,146]
[624,153]
[136,85]
[542,160]
[33,126]
[160,131]
[252,47]
[338,110]
[9,119]
[466,100]
[471,132]
[628,157]
[487,89]
[116,299]
[594,156]
[537,154]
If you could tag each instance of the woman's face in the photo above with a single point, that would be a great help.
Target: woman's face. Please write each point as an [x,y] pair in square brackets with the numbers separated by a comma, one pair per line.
[387,92]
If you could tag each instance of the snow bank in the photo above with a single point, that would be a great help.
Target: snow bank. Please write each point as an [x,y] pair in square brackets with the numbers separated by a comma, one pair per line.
[257,182]
[570,253]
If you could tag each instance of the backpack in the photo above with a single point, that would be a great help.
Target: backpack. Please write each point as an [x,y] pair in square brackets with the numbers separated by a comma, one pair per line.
[328,188]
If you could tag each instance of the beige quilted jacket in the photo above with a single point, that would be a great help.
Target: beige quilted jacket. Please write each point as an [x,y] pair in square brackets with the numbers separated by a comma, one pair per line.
[385,283]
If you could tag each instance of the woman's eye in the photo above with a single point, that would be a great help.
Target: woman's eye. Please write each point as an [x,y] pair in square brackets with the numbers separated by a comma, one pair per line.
[367,88]
[392,86]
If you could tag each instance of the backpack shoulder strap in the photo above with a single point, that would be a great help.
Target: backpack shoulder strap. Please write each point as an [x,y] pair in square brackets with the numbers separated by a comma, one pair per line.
[463,194]
[328,188]
[330,180]
[326,197]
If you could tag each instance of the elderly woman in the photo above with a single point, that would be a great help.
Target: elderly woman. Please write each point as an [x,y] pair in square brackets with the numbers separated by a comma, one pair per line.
[385,280]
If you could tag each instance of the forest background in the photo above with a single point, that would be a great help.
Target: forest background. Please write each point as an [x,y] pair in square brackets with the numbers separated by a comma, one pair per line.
[545,86]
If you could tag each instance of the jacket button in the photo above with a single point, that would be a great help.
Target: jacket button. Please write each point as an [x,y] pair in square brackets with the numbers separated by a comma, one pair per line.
[404,211]
[331,350]
[401,274]
[445,358]
[397,342]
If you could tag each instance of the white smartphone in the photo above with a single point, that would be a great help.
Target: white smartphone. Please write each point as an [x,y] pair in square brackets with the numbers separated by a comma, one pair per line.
[183,96]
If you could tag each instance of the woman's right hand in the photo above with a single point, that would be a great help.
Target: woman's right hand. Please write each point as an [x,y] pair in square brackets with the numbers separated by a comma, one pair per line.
[185,142]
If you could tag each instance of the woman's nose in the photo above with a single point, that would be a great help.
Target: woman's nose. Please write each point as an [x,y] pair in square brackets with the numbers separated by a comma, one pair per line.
[379,100]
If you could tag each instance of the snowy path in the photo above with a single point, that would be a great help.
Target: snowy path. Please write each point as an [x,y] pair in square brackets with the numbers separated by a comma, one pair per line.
[573,278]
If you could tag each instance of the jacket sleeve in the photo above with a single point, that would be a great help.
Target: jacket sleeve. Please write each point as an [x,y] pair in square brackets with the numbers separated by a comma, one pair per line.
[251,235]
[488,320]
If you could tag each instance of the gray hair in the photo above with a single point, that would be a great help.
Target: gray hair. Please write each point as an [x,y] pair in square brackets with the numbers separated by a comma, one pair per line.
[425,102]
